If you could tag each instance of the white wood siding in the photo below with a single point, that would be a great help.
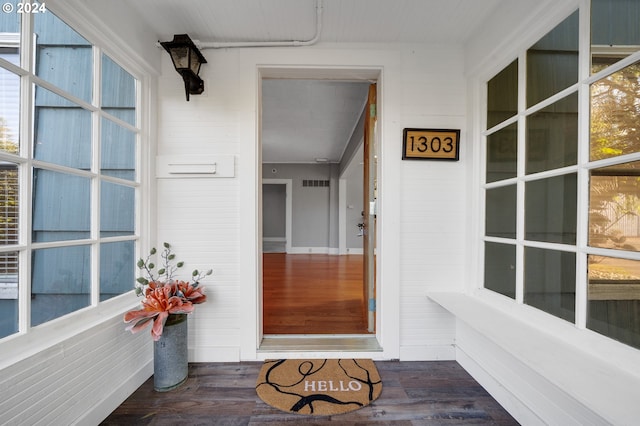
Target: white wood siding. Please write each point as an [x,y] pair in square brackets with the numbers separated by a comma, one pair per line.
[199,216]
[422,87]
[77,381]
[433,204]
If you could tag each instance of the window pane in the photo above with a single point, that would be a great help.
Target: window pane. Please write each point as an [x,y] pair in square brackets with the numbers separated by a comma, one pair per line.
[552,63]
[61,282]
[500,268]
[614,207]
[615,114]
[118,91]
[62,131]
[615,33]
[61,206]
[502,153]
[117,204]
[9,204]
[550,281]
[502,95]
[501,212]
[63,57]
[552,136]
[9,111]
[551,209]
[116,269]
[118,152]
[10,30]
[8,293]
[614,298]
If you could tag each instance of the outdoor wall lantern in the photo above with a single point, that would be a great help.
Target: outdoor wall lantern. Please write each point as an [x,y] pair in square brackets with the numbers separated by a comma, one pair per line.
[187,60]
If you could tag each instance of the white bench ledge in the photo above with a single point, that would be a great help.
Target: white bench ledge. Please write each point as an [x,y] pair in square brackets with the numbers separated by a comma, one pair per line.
[609,387]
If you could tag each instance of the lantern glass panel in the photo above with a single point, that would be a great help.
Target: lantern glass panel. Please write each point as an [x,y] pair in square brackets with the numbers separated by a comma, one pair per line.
[195,63]
[180,57]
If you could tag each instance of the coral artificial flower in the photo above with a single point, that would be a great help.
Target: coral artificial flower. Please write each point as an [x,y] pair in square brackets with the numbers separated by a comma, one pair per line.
[163,296]
[156,307]
[192,293]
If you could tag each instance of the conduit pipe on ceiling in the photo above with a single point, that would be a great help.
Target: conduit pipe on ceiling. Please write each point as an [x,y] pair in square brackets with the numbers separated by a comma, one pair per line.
[232,44]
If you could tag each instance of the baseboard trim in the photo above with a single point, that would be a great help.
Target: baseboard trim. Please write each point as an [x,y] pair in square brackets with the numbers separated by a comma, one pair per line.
[428,353]
[354,251]
[116,397]
[325,250]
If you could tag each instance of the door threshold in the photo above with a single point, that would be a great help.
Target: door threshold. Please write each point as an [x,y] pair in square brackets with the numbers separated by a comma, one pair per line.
[319,342]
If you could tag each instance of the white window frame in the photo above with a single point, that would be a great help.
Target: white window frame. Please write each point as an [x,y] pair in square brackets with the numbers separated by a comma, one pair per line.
[31,339]
[582,168]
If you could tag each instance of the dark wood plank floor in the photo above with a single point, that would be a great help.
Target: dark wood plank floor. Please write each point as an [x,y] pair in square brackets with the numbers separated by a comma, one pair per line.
[413,393]
[313,294]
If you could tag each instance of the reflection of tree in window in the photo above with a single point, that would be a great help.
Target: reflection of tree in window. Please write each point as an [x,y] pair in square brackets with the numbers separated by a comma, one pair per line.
[614,223]
[7,144]
[615,114]
[614,207]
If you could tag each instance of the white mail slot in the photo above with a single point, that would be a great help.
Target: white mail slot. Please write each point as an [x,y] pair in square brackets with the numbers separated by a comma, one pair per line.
[204,166]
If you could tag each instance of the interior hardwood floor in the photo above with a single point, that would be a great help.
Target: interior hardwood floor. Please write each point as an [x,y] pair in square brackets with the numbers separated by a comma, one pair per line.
[313,294]
[413,393]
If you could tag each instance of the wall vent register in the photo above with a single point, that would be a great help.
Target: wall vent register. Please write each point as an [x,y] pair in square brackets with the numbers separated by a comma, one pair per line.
[315,183]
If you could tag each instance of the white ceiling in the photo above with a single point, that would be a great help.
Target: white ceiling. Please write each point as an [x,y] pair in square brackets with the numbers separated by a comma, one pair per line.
[344,21]
[304,119]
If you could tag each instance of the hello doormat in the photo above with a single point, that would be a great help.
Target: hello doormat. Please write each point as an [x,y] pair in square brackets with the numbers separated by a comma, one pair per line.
[318,386]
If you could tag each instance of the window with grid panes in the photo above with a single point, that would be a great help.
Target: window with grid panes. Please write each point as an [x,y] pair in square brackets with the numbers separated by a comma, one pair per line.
[68,178]
[538,162]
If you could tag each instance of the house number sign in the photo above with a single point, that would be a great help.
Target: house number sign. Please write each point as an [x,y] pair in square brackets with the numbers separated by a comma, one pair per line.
[430,144]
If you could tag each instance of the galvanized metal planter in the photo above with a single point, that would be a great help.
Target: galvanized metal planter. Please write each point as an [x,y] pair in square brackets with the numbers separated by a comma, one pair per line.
[170,355]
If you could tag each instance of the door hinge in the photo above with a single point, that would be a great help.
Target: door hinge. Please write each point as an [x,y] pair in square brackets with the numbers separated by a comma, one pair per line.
[372,110]
[372,305]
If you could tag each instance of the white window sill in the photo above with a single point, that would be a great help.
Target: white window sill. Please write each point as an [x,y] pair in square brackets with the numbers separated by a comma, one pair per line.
[596,371]
[19,346]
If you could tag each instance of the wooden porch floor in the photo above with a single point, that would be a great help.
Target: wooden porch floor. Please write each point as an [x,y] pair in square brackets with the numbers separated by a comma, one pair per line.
[413,393]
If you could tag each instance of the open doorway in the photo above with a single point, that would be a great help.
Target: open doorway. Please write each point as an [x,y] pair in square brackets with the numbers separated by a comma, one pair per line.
[313,136]
[276,215]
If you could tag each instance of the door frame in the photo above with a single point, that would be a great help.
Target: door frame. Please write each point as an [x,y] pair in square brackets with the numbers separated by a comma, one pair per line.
[288,206]
[387,318]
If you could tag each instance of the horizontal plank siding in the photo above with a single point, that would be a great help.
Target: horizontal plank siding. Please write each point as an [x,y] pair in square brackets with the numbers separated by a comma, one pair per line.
[433,205]
[64,383]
